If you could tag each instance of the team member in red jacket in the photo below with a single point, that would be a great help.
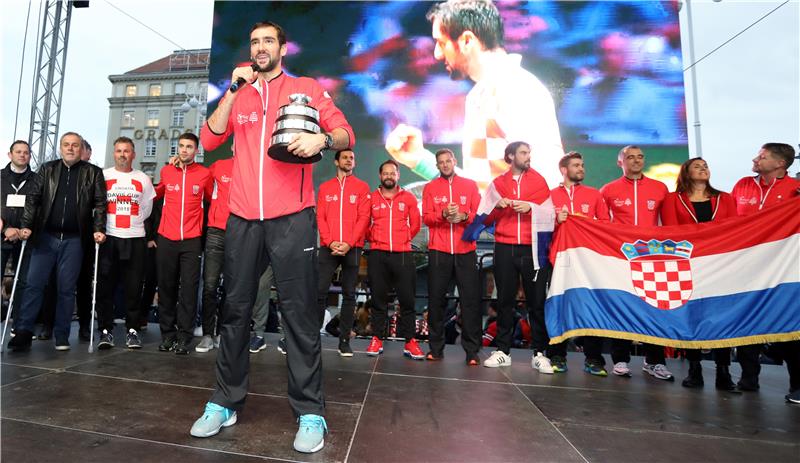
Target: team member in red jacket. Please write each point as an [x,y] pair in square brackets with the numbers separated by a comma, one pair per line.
[342,219]
[635,199]
[272,222]
[449,204]
[770,186]
[394,223]
[516,255]
[215,250]
[571,197]
[184,187]
[696,201]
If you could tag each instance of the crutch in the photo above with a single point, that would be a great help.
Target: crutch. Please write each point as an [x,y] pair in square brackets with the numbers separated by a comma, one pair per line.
[94,298]
[13,292]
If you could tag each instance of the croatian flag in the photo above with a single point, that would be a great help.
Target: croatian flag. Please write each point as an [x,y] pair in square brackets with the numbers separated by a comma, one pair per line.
[488,202]
[717,284]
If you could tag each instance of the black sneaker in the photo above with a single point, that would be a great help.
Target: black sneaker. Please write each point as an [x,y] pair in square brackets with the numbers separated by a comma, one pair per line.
[106,340]
[282,346]
[132,340]
[167,345]
[21,342]
[46,334]
[83,334]
[181,348]
[62,344]
[344,348]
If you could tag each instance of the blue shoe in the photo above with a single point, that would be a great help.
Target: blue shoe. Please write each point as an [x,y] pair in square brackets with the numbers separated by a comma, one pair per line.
[594,369]
[310,436]
[214,418]
[257,344]
[559,364]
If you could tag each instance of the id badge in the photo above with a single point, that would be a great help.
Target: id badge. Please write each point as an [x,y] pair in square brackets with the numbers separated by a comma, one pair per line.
[15,200]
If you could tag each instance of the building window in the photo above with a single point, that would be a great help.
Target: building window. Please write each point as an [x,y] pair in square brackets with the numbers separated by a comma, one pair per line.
[150,148]
[180,88]
[128,119]
[130,90]
[155,89]
[177,117]
[173,147]
[152,118]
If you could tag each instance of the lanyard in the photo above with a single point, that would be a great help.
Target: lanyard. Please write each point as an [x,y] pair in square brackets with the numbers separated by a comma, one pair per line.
[761,191]
[17,188]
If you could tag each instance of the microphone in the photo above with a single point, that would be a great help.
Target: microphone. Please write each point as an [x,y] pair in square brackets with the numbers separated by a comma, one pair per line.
[240,81]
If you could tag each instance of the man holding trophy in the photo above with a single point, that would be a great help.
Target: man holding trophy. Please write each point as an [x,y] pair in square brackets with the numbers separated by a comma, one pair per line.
[280,124]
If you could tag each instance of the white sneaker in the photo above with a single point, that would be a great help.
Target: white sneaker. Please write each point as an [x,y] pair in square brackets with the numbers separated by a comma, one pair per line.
[658,371]
[621,369]
[205,345]
[541,363]
[497,359]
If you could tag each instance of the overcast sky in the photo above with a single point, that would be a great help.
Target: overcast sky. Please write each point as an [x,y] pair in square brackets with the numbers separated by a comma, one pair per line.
[749,91]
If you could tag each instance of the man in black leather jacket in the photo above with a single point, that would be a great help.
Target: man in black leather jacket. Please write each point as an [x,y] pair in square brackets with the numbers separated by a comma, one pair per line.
[63,218]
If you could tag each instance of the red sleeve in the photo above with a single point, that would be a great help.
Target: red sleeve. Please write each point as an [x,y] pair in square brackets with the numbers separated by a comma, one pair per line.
[727,206]
[474,202]
[209,187]
[210,139]
[541,192]
[161,188]
[330,117]
[322,219]
[429,213]
[669,214]
[362,211]
[413,215]
[601,209]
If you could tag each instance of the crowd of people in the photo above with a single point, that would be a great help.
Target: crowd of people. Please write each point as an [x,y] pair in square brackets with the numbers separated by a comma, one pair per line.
[263,229]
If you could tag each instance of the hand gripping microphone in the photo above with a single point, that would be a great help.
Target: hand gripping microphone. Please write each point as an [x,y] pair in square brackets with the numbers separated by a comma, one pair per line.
[240,81]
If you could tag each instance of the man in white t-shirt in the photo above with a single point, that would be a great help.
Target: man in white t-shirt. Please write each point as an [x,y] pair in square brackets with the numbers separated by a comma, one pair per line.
[507,103]
[130,196]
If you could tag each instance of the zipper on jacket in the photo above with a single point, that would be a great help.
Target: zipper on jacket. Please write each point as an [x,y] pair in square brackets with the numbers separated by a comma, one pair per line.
[302,180]
[263,99]
[341,206]
[519,216]
[450,187]
[64,210]
[636,202]
[183,196]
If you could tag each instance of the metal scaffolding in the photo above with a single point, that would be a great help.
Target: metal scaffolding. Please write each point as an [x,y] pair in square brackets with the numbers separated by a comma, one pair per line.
[49,81]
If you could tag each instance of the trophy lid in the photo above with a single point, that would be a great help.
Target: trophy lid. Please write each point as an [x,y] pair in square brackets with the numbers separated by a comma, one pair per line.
[299,98]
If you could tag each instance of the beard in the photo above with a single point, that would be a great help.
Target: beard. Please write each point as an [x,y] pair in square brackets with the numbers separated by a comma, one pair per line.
[271,65]
[575,178]
[388,184]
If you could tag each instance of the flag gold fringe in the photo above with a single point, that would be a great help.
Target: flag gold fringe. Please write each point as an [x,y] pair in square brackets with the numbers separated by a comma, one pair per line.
[732,342]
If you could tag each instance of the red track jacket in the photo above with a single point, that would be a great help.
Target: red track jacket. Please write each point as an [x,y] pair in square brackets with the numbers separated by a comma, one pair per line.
[634,202]
[512,227]
[218,211]
[437,194]
[751,194]
[184,191]
[343,211]
[394,222]
[580,200]
[677,209]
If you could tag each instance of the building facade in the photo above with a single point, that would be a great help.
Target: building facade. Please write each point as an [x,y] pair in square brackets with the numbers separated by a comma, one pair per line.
[155,103]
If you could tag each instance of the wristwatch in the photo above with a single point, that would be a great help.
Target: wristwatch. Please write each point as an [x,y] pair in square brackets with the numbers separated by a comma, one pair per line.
[328,141]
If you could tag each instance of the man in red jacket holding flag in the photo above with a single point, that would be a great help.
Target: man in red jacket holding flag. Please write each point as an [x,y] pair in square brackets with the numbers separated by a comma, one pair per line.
[272,222]
[342,219]
[449,203]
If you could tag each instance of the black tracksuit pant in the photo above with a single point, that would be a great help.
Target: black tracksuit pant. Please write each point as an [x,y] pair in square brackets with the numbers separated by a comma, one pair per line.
[512,261]
[389,270]
[750,360]
[121,260]
[178,267]
[212,271]
[621,352]
[327,265]
[442,268]
[288,243]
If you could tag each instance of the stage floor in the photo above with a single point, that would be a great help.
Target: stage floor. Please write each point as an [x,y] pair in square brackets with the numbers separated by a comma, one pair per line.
[120,405]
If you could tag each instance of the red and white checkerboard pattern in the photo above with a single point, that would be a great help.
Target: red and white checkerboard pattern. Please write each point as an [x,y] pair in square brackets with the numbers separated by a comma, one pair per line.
[664,284]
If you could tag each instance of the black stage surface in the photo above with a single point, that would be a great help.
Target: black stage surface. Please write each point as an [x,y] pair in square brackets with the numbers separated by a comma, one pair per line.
[120,405]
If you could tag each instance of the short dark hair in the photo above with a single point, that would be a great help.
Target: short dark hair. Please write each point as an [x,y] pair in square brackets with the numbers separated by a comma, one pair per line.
[443,151]
[478,16]
[512,148]
[339,153]
[190,136]
[624,149]
[17,142]
[86,145]
[386,162]
[564,161]
[124,140]
[279,29]
[782,151]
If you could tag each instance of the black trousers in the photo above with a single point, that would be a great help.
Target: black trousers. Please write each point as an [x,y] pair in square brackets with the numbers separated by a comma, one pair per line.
[750,360]
[10,253]
[442,268]
[328,263]
[512,261]
[212,271]
[288,243]
[83,292]
[722,356]
[121,261]
[178,267]
[387,270]
[621,352]
[149,283]
[593,349]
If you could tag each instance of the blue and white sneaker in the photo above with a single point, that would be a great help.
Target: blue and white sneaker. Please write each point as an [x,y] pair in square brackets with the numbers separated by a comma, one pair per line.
[257,344]
[214,418]
[310,436]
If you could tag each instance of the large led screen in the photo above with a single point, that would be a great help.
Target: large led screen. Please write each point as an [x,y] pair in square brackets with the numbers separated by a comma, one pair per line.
[611,72]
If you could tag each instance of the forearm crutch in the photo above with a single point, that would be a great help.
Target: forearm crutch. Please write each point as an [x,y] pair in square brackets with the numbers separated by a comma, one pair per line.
[13,292]
[94,298]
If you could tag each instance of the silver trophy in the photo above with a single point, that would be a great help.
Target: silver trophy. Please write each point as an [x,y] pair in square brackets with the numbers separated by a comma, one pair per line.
[293,118]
